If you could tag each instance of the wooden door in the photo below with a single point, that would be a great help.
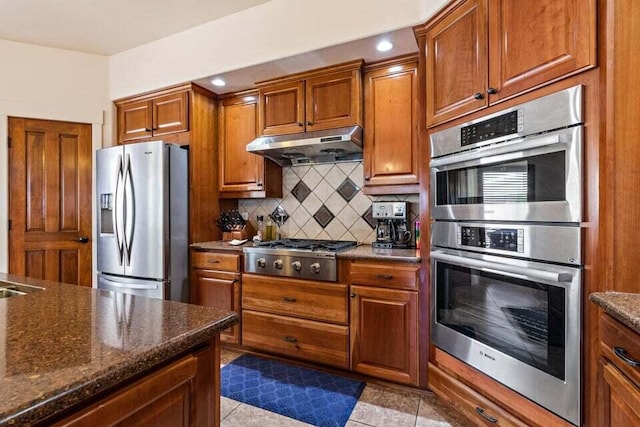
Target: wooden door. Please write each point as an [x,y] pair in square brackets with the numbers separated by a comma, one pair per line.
[134,120]
[457,63]
[170,113]
[391,124]
[535,41]
[384,333]
[220,290]
[621,399]
[50,200]
[239,170]
[333,101]
[282,108]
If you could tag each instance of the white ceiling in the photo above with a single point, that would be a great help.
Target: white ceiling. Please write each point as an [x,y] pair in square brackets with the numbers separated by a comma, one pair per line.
[106,27]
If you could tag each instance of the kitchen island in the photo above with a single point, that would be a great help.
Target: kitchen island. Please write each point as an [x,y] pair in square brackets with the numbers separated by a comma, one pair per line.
[69,353]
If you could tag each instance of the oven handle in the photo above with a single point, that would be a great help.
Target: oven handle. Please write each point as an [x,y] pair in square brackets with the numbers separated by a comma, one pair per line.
[504,269]
[495,150]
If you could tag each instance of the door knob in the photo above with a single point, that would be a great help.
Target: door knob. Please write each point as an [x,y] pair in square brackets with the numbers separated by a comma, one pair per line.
[478,96]
[492,91]
[82,239]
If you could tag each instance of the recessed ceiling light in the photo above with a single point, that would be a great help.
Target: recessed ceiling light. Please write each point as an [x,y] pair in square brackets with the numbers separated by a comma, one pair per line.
[384,46]
[218,82]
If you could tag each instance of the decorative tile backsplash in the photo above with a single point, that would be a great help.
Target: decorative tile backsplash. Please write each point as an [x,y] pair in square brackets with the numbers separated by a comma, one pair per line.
[324,201]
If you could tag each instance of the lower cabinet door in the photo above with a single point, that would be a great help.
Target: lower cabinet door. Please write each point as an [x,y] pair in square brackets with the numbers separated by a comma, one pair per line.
[622,399]
[220,290]
[163,398]
[384,333]
[305,339]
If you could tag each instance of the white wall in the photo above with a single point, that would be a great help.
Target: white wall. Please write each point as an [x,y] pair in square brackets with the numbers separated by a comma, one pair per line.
[270,31]
[54,84]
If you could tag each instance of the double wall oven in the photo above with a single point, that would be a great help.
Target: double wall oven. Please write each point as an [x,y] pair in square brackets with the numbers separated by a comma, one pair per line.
[506,204]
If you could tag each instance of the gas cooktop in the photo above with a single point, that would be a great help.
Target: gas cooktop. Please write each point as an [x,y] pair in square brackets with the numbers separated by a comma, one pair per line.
[308,244]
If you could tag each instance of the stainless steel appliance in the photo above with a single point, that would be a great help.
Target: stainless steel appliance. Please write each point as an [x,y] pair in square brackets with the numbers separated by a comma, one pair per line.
[299,258]
[520,164]
[506,199]
[142,222]
[516,320]
[392,228]
[323,146]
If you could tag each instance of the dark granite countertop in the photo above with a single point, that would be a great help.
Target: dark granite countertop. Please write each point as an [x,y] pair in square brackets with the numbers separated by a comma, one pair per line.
[64,344]
[359,252]
[625,307]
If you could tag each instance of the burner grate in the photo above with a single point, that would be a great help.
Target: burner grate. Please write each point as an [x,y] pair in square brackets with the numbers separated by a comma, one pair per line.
[309,244]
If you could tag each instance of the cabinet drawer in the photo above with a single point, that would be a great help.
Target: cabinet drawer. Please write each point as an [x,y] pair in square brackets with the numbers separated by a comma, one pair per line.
[304,339]
[290,297]
[386,274]
[614,335]
[215,261]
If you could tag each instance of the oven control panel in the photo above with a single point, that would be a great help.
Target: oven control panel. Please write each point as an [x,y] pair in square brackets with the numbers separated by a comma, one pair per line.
[505,239]
[505,124]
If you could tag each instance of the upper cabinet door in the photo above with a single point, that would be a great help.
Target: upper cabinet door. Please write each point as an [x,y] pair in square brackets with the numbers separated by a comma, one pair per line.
[333,100]
[171,113]
[391,125]
[239,170]
[536,41]
[134,120]
[456,53]
[282,108]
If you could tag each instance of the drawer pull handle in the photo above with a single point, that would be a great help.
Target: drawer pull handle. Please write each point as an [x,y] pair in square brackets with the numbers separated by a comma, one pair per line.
[484,415]
[288,299]
[289,339]
[384,276]
[213,261]
[622,354]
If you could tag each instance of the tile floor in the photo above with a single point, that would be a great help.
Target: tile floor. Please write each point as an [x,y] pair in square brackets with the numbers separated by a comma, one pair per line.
[378,406]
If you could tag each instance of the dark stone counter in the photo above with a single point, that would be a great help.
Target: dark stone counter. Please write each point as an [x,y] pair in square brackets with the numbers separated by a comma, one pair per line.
[65,344]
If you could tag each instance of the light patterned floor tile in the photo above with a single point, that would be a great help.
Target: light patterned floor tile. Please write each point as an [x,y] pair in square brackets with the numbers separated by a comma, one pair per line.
[380,407]
[227,406]
[251,416]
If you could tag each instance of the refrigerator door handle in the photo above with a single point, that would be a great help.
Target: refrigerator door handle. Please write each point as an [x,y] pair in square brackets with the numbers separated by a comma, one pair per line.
[118,221]
[130,210]
[129,285]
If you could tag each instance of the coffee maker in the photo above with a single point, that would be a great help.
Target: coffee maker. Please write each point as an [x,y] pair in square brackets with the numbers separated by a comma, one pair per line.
[392,228]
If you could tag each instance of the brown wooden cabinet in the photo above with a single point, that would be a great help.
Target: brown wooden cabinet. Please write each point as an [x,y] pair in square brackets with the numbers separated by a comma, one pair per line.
[161,115]
[184,115]
[216,282]
[391,127]
[384,320]
[243,174]
[297,318]
[183,393]
[327,98]
[620,378]
[479,52]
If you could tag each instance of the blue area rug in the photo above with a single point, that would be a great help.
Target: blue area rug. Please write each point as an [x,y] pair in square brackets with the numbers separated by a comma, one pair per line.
[310,396]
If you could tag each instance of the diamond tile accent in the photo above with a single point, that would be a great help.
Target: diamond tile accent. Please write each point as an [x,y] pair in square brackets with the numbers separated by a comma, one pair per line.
[323,216]
[348,189]
[279,215]
[301,191]
[368,217]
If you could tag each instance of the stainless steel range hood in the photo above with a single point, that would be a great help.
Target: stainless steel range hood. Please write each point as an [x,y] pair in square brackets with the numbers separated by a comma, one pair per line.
[324,146]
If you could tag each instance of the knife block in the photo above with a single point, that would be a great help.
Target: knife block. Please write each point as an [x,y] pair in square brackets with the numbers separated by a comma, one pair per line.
[239,234]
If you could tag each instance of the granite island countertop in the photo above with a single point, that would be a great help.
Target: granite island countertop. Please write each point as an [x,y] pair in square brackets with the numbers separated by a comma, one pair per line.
[65,344]
[622,306]
[360,252]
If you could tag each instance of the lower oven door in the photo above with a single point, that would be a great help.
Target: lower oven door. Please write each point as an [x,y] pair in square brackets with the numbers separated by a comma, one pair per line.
[516,321]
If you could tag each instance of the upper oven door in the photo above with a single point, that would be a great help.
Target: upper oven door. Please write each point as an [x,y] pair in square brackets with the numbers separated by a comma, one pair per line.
[537,178]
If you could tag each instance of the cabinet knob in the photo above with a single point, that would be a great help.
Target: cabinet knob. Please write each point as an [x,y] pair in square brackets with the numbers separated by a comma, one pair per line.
[147,129]
[352,295]
[492,91]
[309,123]
[300,124]
[478,95]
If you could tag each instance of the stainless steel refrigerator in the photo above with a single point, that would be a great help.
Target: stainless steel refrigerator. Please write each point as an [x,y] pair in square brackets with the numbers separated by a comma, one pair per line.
[143,220]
